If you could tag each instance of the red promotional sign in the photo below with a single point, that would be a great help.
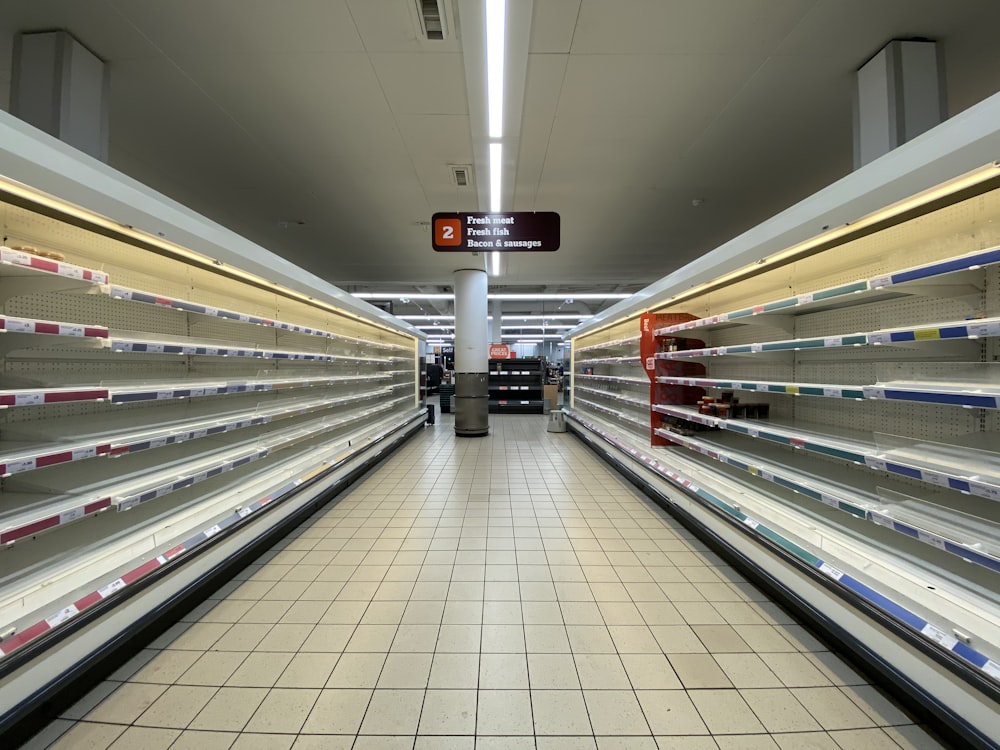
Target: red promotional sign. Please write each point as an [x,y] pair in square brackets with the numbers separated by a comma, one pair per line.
[499,351]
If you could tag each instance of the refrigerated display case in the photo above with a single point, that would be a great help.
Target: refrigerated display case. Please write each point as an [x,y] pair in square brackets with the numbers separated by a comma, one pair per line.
[826,411]
[162,409]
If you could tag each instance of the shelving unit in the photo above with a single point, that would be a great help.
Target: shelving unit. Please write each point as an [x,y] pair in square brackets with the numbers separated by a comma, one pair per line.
[159,411]
[515,386]
[871,357]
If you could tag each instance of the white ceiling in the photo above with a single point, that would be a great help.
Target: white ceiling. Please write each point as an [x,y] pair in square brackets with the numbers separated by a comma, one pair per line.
[261,114]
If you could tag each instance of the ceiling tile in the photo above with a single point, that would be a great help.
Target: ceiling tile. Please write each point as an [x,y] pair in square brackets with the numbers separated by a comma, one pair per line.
[422,83]
[701,27]
[553,24]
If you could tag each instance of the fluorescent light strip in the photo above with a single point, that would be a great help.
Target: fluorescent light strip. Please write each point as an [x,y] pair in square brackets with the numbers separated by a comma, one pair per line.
[496,20]
[496,175]
[513,316]
[499,296]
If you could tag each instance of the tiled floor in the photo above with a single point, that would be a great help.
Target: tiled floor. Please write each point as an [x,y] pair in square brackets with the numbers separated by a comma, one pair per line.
[500,592]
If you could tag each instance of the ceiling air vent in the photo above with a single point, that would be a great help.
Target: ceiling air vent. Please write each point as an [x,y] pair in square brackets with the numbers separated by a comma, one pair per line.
[432,21]
[461,174]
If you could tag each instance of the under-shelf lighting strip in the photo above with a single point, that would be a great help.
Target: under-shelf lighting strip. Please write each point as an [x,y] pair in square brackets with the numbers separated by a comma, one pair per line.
[918,624]
[20,639]
[966,262]
[811,488]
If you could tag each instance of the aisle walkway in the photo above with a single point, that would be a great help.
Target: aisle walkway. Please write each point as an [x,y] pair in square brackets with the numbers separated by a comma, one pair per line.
[500,592]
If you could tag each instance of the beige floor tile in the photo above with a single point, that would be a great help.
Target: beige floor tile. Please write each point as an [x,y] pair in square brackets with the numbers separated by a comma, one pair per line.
[671,712]
[749,670]
[198,740]
[503,671]
[304,613]
[406,670]
[590,639]
[625,743]
[338,711]
[552,672]
[502,639]
[832,709]
[505,612]
[448,712]
[559,712]
[126,704]
[371,638]
[198,637]
[329,638]
[581,613]
[260,669]
[415,638]
[241,637]
[650,672]
[265,612]
[548,639]
[720,639]
[765,639]
[615,712]
[285,636]
[805,741]
[459,638]
[504,743]
[344,613]
[835,669]
[795,670]
[677,639]
[725,712]
[166,667]
[454,671]
[323,742]
[746,742]
[309,670]
[263,741]
[89,736]
[176,707]
[404,742]
[462,613]
[802,638]
[285,591]
[659,613]
[779,711]
[863,739]
[133,665]
[504,712]
[229,710]
[212,668]
[393,712]
[145,738]
[601,672]
[567,743]
[541,613]
[670,742]
[423,613]
[283,710]
[698,671]
[634,639]
[620,613]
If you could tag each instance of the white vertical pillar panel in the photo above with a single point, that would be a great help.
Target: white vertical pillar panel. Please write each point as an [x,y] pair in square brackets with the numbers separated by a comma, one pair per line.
[471,335]
[471,354]
[61,87]
[496,332]
[900,93]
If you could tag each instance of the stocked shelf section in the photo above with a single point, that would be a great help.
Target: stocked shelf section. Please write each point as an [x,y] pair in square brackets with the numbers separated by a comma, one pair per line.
[847,396]
[516,386]
[151,401]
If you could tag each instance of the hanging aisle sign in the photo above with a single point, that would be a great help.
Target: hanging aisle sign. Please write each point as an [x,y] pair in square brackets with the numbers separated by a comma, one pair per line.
[516,231]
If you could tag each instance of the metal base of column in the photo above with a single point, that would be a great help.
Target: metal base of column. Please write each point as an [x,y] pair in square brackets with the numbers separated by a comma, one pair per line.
[472,404]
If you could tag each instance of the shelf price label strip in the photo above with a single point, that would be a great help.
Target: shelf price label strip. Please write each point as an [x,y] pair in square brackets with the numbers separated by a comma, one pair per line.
[48,265]
[910,619]
[22,638]
[52,328]
[803,487]
[135,295]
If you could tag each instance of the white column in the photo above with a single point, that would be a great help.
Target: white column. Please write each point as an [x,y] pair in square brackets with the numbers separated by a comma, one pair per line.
[61,87]
[900,93]
[471,353]
[496,332]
